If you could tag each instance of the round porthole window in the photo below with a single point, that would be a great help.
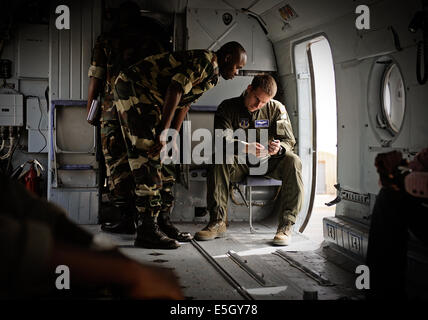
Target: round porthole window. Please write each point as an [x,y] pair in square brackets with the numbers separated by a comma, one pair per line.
[393,98]
[386,99]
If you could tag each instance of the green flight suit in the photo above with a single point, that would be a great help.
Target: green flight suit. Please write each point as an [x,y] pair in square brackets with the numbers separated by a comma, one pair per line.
[286,165]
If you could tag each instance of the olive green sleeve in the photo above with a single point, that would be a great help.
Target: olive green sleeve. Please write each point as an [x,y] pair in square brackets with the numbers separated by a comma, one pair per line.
[284,130]
[223,121]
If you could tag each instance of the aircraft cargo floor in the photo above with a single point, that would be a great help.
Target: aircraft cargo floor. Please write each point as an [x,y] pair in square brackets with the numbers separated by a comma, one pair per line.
[303,266]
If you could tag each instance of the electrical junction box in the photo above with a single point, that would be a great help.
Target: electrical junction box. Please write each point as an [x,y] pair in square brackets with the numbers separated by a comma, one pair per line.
[33,51]
[11,110]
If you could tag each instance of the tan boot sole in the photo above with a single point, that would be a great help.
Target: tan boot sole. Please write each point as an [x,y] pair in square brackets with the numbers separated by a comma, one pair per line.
[206,238]
[278,242]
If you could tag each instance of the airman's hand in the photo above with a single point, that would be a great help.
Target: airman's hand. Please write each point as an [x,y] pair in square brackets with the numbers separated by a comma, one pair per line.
[274,147]
[256,149]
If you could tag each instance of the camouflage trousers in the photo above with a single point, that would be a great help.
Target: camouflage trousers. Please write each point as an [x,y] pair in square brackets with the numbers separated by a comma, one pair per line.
[287,168]
[122,173]
[139,120]
[119,176]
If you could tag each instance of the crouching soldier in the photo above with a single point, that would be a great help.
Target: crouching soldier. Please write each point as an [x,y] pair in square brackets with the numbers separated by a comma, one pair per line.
[154,95]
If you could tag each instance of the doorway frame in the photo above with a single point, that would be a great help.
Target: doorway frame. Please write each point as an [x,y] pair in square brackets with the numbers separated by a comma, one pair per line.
[311,179]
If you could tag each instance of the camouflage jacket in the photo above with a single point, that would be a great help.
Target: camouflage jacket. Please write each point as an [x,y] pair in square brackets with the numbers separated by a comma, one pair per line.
[120,48]
[232,114]
[196,71]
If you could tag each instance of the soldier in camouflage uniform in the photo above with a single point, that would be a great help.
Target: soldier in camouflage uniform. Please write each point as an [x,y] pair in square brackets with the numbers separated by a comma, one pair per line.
[256,110]
[126,43]
[151,96]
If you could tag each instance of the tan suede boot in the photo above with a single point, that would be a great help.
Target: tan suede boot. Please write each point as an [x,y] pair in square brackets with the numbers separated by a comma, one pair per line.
[214,229]
[283,236]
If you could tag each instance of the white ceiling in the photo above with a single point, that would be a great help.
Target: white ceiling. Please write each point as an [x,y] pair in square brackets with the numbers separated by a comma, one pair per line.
[310,12]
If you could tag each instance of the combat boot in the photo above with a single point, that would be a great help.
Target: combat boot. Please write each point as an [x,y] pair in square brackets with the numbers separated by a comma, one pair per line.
[170,230]
[126,224]
[214,229]
[283,235]
[150,236]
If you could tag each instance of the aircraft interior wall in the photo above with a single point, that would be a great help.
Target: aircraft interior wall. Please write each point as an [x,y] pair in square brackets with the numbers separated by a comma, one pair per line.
[354,54]
[50,71]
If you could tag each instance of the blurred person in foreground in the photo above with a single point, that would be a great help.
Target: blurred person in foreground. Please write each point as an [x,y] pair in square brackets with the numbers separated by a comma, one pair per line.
[401,208]
[36,237]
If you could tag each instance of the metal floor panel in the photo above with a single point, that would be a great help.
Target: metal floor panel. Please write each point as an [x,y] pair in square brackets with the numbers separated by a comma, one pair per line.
[200,280]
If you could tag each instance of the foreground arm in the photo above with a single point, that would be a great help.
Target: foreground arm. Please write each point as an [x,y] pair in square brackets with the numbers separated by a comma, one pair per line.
[97,268]
[94,89]
[36,237]
[97,72]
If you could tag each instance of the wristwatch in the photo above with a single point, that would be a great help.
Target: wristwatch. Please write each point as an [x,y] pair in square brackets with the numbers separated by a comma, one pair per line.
[281,151]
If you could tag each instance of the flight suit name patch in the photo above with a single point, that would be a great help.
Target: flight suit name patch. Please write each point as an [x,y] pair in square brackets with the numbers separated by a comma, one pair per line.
[261,124]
